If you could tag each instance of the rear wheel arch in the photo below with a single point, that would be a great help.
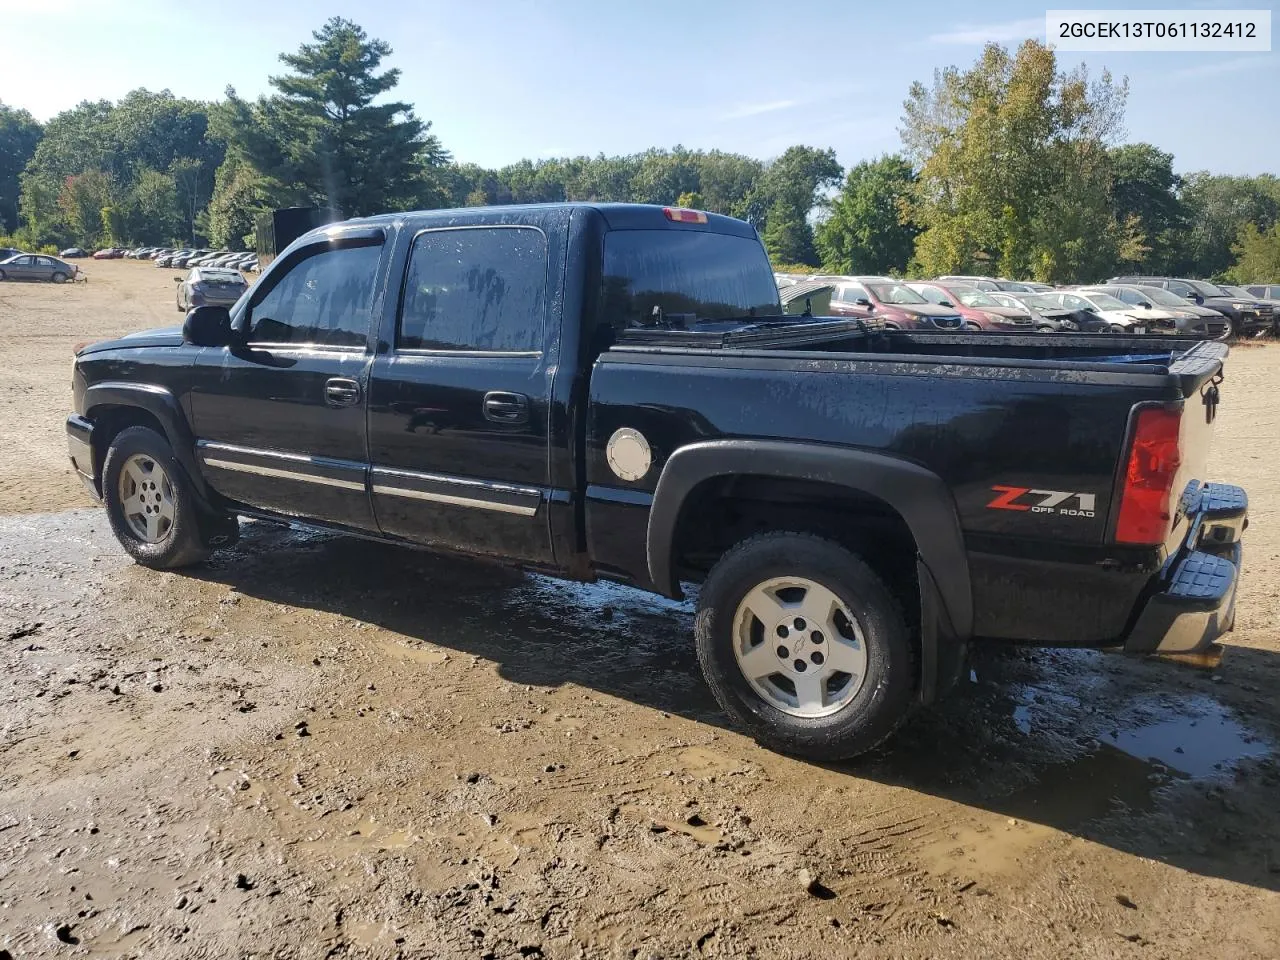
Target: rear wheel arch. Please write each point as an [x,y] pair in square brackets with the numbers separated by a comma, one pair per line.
[918,497]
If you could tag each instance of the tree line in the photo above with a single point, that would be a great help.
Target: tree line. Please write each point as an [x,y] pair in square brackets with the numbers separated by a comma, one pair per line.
[1013,167]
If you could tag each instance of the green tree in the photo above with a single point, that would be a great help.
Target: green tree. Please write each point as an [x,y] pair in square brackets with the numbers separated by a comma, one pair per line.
[323,139]
[1257,255]
[788,192]
[1008,151]
[239,197]
[145,131]
[19,135]
[153,213]
[866,231]
[1144,197]
[1218,208]
[82,200]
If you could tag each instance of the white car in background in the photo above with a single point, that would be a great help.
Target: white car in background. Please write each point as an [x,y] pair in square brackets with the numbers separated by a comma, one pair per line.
[1122,317]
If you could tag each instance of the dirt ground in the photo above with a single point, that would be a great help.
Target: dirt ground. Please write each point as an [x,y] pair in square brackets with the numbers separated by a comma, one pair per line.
[316,747]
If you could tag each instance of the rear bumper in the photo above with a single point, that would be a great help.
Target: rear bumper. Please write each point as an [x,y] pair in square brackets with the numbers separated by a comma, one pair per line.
[1195,599]
[80,447]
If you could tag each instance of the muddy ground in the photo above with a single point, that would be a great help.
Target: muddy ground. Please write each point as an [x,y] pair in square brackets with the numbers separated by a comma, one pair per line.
[314,747]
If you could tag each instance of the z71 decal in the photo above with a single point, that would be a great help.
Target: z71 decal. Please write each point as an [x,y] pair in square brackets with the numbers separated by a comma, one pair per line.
[1064,503]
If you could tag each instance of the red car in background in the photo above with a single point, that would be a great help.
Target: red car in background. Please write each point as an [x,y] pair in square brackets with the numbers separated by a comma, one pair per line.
[109,253]
[980,311]
[900,307]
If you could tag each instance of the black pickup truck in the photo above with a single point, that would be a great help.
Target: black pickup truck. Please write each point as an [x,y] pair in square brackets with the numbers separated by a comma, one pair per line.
[609,391]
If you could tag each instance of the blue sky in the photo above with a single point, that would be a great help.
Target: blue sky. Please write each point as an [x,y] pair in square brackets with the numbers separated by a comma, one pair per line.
[505,79]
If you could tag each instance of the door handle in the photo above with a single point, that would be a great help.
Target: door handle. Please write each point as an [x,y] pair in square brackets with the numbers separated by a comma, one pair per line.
[503,407]
[341,392]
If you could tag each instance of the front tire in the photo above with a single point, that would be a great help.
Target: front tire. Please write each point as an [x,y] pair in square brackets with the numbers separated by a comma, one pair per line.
[59,278]
[804,646]
[150,502]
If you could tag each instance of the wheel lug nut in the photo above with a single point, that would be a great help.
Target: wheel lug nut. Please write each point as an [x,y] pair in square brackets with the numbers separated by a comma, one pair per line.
[816,636]
[817,658]
[783,652]
[782,630]
[799,623]
[800,666]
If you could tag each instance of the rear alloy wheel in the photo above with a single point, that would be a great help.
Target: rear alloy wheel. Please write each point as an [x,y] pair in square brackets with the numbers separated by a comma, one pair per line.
[150,502]
[972,326]
[1044,328]
[804,646]
[1117,328]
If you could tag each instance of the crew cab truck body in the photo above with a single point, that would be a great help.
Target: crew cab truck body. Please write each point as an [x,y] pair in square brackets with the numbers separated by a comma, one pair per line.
[608,391]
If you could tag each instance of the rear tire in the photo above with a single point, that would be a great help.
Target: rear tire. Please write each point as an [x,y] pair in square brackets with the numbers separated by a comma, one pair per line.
[840,641]
[2,276]
[972,327]
[150,502]
[1044,328]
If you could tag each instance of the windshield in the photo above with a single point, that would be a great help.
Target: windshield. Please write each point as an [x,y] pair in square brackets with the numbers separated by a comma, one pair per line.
[1207,289]
[696,275]
[975,298]
[1041,302]
[1161,296]
[895,293]
[1104,301]
[1237,291]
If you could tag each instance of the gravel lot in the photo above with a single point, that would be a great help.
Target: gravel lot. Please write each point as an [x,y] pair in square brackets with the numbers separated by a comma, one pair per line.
[316,747]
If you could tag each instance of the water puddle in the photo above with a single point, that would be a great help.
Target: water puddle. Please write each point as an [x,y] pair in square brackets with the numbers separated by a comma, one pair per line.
[1205,741]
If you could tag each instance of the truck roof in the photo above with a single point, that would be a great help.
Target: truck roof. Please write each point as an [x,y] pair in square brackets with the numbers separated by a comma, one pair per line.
[618,216]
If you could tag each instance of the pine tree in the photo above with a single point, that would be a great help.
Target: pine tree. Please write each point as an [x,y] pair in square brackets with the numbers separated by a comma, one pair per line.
[324,139]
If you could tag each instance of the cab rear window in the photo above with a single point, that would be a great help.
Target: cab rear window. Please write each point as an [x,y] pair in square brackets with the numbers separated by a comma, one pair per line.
[687,275]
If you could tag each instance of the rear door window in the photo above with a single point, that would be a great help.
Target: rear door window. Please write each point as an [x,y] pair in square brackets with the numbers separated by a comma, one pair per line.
[475,289]
[687,274]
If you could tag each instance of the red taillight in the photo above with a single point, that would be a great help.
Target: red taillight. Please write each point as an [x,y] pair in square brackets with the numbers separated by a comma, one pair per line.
[1146,507]
[681,215]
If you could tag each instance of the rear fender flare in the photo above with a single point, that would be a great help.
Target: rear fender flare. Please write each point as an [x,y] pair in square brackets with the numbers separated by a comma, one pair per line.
[918,495]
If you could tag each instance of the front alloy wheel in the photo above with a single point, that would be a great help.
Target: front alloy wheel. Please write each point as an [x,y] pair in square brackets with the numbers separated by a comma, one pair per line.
[146,498]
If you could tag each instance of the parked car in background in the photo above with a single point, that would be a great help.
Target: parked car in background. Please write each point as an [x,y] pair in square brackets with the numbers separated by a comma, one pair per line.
[1189,319]
[37,266]
[971,304]
[7,252]
[1103,313]
[109,253]
[894,302]
[1074,318]
[1012,316]
[1264,291]
[1018,302]
[1246,315]
[70,253]
[209,286]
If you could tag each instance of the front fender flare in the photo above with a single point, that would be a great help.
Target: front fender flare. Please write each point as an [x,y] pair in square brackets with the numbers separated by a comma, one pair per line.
[918,495]
[161,404]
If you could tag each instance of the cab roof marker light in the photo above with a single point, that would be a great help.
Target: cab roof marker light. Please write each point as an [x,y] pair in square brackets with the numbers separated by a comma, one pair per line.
[681,215]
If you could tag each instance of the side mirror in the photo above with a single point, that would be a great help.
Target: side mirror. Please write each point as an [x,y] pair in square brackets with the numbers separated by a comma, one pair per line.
[945,303]
[207,326]
[863,302]
[177,279]
[1091,309]
[1146,306]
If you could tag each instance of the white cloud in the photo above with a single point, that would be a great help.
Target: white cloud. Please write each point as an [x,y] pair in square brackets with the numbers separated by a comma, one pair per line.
[991,32]
[755,109]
